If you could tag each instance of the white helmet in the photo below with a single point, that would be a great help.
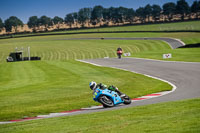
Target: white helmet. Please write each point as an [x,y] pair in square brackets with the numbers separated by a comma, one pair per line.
[92,85]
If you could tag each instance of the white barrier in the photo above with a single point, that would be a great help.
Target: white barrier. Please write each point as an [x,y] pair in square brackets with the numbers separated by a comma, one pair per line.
[166,56]
[127,54]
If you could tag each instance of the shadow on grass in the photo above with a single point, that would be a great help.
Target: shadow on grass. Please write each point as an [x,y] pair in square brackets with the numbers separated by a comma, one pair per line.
[197,45]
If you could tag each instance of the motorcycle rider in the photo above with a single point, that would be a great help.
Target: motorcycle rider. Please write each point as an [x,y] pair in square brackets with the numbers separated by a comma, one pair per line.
[93,85]
[119,52]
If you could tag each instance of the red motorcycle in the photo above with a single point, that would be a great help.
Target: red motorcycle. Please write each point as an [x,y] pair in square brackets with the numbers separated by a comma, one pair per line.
[119,54]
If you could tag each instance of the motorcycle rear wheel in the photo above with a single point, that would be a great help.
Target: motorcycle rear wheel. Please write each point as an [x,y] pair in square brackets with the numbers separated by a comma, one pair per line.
[106,101]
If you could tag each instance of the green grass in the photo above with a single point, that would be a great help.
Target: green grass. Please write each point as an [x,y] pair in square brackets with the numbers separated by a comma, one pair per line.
[57,82]
[178,26]
[58,48]
[51,85]
[52,48]
[192,26]
[176,117]
[181,54]
[40,87]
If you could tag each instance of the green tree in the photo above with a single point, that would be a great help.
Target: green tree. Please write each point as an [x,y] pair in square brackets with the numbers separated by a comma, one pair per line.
[195,8]
[121,14]
[12,21]
[169,9]
[112,14]
[96,14]
[57,20]
[148,11]
[129,15]
[182,8]
[1,25]
[69,19]
[116,14]
[75,16]
[156,11]
[141,14]
[84,15]
[45,21]
[33,23]
[106,16]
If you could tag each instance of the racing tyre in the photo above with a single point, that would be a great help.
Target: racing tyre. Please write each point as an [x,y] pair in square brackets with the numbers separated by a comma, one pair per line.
[106,101]
[126,100]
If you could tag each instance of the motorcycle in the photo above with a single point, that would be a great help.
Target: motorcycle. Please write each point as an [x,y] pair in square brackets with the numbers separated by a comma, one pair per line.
[119,54]
[109,98]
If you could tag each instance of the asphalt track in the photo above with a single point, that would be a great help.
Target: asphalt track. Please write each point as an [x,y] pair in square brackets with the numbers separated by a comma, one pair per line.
[184,75]
[172,42]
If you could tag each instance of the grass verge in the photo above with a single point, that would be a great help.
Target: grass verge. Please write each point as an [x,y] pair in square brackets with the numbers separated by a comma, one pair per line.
[59,48]
[40,87]
[163,27]
[180,116]
[180,54]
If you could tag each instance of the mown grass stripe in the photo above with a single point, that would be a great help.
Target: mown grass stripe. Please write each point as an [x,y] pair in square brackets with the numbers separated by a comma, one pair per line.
[98,53]
[140,46]
[66,53]
[58,53]
[93,48]
[83,55]
[148,47]
[137,49]
[74,55]
[42,55]
[155,46]
[2,57]
[130,50]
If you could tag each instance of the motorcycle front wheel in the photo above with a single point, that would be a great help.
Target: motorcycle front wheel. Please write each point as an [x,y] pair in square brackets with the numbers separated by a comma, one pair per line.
[126,100]
[106,101]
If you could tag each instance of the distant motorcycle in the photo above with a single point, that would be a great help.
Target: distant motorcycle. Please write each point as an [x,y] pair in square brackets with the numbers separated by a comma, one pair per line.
[119,54]
[109,98]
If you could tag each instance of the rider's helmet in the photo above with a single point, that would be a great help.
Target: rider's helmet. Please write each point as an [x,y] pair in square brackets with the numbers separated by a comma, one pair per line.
[92,85]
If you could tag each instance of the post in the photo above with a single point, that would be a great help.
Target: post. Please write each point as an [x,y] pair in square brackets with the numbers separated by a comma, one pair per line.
[22,50]
[29,53]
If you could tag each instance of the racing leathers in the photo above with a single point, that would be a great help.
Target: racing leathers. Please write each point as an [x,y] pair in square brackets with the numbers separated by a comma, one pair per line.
[112,88]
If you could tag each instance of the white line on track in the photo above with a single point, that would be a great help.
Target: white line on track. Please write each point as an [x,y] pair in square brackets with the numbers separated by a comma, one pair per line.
[164,93]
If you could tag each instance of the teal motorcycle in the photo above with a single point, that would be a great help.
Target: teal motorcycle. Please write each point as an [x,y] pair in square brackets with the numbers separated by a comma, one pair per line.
[109,98]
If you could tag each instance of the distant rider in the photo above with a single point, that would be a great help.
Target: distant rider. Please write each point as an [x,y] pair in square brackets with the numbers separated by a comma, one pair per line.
[93,86]
[119,52]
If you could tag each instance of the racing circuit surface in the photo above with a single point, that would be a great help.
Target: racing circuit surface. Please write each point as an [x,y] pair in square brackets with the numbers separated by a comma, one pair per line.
[172,42]
[184,75]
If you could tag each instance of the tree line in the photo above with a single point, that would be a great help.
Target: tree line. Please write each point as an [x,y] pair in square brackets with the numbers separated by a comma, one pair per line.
[116,15]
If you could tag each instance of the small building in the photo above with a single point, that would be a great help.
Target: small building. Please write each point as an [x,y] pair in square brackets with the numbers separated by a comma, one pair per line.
[15,56]
[19,56]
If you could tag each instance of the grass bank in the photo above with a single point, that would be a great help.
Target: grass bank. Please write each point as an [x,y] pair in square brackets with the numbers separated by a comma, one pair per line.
[191,26]
[181,54]
[181,116]
[58,82]
[41,87]
[60,48]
